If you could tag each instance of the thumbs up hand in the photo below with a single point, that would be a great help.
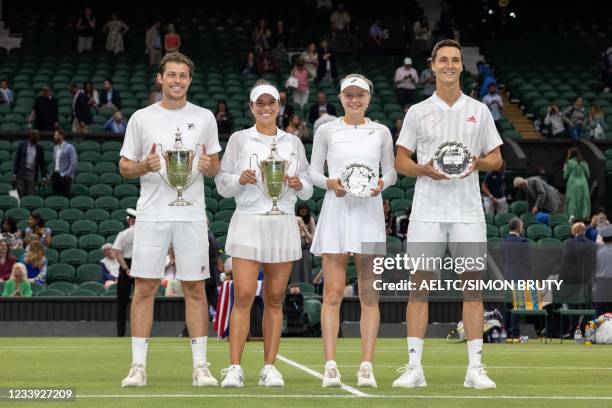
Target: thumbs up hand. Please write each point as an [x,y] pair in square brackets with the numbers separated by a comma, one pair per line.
[152,162]
[205,162]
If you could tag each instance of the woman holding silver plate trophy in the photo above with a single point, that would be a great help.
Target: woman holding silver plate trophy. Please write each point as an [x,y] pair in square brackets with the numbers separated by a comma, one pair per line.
[352,217]
[265,169]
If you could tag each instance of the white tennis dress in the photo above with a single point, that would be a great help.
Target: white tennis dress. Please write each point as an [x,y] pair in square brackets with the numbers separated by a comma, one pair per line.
[351,224]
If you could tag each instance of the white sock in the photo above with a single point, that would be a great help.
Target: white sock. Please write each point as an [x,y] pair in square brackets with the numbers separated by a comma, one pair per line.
[198,350]
[415,351]
[139,350]
[474,352]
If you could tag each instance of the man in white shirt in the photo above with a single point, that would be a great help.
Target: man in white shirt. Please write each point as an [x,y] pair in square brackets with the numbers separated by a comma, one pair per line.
[406,80]
[150,130]
[446,211]
[123,248]
[494,102]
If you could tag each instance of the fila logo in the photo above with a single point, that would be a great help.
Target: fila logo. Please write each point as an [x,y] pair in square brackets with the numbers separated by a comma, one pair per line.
[191,126]
[479,352]
[193,341]
[203,268]
[412,351]
[472,119]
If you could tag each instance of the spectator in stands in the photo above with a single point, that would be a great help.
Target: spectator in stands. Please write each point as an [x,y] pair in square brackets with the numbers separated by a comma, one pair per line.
[311,60]
[375,38]
[603,274]
[280,41]
[555,122]
[302,269]
[390,221]
[81,115]
[516,265]
[250,66]
[11,233]
[577,193]
[285,111]
[110,97]
[216,267]
[29,164]
[261,37]
[266,63]
[445,28]
[109,266]
[494,102]
[324,118]
[7,260]
[123,247]
[494,191]
[92,94]
[321,107]
[37,231]
[598,221]
[172,40]
[63,164]
[156,95]
[541,196]
[45,112]
[298,128]
[341,26]
[18,285]
[153,43]
[173,285]
[406,80]
[575,116]
[302,91]
[422,33]
[428,80]
[114,30]
[486,77]
[224,118]
[596,123]
[35,262]
[6,94]
[606,71]
[85,28]
[327,70]
[115,124]
[397,128]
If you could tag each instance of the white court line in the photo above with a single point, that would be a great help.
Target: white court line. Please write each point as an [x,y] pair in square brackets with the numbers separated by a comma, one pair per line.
[561,368]
[318,375]
[379,396]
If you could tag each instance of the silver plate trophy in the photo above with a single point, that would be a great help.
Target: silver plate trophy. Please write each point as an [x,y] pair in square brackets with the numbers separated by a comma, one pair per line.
[359,180]
[452,159]
[273,171]
[179,162]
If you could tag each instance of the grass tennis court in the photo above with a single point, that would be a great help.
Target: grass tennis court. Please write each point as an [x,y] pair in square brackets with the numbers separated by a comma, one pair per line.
[534,374]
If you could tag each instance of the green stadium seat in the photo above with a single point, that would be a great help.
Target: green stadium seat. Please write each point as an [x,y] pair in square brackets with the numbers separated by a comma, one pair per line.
[223,215]
[64,241]
[111,156]
[125,190]
[52,256]
[91,157]
[71,214]
[79,190]
[557,219]
[519,207]
[119,215]
[503,218]
[36,288]
[400,205]
[392,193]
[87,179]
[74,257]
[95,287]
[489,219]
[91,241]
[562,231]
[89,273]
[31,202]
[100,190]
[110,227]
[5,188]
[83,227]
[82,293]
[128,202]
[107,203]
[60,272]
[47,214]
[219,228]
[50,293]
[112,179]
[95,256]
[227,204]
[18,214]
[538,231]
[492,231]
[105,167]
[211,204]
[504,230]
[97,215]
[88,146]
[58,227]
[82,203]
[528,219]
[8,202]
[111,145]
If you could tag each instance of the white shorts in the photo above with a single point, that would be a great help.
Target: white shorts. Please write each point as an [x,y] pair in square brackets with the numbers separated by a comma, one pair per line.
[190,242]
[430,240]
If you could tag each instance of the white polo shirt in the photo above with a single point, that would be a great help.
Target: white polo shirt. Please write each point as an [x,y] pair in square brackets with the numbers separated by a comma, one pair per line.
[431,123]
[155,124]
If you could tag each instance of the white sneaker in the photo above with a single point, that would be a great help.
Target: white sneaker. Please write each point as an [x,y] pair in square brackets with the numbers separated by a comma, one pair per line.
[137,377]
[331,376]
[232,377]
[269,376]
[202,376]
[365,376]
[476,377]
[412,377]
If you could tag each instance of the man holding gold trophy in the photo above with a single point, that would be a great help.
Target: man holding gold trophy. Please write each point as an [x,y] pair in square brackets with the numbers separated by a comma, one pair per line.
[454,136]
[265,169]
[171,209]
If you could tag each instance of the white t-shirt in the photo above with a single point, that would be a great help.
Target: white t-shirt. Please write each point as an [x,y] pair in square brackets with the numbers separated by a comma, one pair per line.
[125,242]
[155,124]
[431,123]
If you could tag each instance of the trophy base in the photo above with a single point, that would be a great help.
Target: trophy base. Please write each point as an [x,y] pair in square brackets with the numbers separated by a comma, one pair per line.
[275,212]
[180,203]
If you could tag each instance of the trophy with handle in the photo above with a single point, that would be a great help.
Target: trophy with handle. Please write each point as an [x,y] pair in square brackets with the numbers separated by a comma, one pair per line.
[359,179]
[179,162]
[273,171]
[452,159]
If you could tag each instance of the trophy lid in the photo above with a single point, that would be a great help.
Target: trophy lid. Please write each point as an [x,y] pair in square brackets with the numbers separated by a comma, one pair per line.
[178,142]
[274,156]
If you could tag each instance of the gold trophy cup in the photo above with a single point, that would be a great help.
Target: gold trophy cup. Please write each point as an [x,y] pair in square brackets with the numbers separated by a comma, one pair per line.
[179,164]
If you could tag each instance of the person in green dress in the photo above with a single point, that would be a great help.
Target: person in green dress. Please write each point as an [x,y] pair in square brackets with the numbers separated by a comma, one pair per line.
[18,284]
[577,196]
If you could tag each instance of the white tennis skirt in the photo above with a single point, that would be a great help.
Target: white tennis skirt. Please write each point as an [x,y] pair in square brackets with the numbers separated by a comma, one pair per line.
[264,238]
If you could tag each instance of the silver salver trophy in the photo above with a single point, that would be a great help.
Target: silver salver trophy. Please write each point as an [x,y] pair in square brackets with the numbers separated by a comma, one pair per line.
[179,162]
[273,171]
[359,180]
[453,159]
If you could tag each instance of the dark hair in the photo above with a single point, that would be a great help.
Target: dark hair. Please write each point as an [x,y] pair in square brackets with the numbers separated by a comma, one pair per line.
[306,217]
[445,43]
[12,224]
[73,85]
[110,81]
[177,58]
[574,153]
[40,222]
[515,224]
[61,132]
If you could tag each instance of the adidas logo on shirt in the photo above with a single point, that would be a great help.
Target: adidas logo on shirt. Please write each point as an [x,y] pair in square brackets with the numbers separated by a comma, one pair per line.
[471,119]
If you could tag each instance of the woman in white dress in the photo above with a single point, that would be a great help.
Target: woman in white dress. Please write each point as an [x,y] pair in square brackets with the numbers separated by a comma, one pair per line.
[348,224]
[254,239]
